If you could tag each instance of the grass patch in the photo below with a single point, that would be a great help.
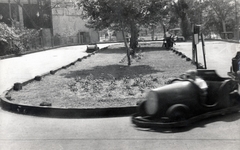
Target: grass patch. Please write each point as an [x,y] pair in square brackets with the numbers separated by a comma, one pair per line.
[105,80]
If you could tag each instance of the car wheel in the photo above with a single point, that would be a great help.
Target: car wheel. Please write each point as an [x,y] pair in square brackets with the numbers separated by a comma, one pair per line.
[141,109]
[178,112]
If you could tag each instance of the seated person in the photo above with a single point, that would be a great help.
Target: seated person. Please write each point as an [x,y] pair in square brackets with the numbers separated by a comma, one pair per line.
[192,75]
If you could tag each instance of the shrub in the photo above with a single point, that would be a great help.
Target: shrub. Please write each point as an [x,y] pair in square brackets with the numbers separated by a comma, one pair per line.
[14,40]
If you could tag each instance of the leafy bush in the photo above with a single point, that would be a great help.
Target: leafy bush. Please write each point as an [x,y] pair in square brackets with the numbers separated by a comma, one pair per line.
[14,40]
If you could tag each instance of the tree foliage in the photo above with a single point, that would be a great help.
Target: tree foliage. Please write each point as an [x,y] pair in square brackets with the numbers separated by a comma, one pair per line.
[159,13]
[103,14]
[216,16]
[14,40]
[122,15]
[180,9]
[221,15]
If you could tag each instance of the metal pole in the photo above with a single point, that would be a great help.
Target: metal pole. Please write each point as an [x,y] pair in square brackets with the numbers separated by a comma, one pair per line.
[193,45]
[196,54]
[203,48]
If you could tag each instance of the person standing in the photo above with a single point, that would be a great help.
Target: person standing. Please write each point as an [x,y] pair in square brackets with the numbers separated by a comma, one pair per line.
[168,39]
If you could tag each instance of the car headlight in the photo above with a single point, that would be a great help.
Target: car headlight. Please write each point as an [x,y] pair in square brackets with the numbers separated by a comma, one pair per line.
[151,106]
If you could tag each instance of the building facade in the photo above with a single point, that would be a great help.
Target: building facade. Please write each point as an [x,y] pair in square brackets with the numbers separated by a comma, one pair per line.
[66,21]
[59,20]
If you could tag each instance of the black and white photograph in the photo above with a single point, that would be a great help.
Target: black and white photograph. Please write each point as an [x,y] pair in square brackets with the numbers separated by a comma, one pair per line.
[119,74]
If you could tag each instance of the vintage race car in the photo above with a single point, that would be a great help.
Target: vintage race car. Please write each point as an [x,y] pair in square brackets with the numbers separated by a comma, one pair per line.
[180,103]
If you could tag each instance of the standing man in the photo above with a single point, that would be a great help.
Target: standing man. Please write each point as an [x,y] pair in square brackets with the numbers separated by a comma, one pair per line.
[168,39]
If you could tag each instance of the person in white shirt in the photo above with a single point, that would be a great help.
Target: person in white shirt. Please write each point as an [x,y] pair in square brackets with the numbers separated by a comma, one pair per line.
[167,34]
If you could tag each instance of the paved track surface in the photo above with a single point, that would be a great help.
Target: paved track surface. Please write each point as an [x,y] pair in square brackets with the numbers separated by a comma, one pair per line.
[218,54]
[21,132]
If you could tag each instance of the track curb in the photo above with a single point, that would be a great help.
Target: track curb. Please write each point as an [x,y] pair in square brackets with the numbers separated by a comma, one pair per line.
[182,55]
[49,111]
[55,112]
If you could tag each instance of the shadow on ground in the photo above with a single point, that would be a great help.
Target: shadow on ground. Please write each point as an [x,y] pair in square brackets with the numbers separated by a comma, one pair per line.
[146,49]
[200,124]
[121,49]
[116,71]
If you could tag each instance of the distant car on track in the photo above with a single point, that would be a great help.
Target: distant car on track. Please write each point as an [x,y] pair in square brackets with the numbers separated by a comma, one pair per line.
[180,38]
[177,33]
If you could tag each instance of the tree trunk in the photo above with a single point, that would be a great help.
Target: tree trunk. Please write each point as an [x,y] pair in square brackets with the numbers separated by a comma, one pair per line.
[126,45]
[185,26]
[164,31]
[153,32]
[224,29]
[134,39]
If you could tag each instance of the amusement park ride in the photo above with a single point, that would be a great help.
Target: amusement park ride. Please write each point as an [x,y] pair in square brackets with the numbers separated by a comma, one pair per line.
[181,103]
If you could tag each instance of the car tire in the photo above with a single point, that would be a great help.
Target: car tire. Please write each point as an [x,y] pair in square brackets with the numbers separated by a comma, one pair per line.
[141,109]
[178,112]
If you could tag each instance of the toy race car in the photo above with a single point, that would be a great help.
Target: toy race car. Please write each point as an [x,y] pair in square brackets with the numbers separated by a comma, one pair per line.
[180,103]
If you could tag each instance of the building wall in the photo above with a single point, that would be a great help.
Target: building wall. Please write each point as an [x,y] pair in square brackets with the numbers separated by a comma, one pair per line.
[19,19]
[67,21]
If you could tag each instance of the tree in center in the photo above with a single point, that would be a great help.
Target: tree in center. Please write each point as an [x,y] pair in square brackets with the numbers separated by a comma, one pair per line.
[119,15]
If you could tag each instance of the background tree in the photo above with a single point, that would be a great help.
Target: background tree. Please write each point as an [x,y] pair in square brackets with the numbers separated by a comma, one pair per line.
[197,12]
[158,13]
[214,16]
[121,15]
[180,8]
[221,15]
